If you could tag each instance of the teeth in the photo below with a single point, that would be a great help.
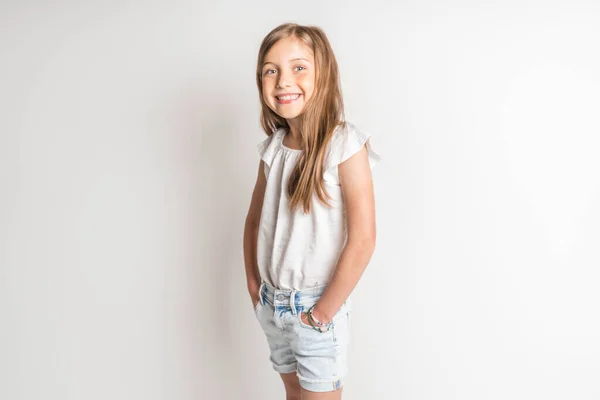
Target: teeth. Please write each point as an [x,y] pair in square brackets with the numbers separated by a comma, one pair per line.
[289,97]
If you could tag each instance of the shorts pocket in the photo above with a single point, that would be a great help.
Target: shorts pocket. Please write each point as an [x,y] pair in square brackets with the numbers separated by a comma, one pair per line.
[302,324]
[340,314]
[257,306]
[260,298]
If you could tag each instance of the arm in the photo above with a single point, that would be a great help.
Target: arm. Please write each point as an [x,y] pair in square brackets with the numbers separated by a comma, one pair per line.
[251,234]
[359,200]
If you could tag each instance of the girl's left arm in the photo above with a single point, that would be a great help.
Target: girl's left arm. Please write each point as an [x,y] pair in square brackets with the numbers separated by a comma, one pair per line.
[359,200]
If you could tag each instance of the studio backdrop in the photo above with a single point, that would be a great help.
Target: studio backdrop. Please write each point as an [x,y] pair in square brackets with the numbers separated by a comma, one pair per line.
[128,135]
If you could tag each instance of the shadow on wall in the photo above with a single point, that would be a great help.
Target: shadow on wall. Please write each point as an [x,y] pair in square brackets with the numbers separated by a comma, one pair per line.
[213,192]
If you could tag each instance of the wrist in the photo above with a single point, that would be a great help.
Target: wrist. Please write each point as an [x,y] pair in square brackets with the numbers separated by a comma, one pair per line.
[320,316]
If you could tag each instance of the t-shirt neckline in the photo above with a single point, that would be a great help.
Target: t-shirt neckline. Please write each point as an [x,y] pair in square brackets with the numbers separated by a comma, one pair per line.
[283,133]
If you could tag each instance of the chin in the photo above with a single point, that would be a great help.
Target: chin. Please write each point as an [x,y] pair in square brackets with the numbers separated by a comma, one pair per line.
[287,114]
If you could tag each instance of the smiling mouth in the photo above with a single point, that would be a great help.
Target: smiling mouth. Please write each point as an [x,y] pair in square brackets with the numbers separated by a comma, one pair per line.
[288,97]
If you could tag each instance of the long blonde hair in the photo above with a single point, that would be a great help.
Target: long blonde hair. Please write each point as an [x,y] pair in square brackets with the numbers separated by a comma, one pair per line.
[322,114]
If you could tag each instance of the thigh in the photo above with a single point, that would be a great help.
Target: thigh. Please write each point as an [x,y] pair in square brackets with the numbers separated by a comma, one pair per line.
[280,352]
[292,386]
[332,395]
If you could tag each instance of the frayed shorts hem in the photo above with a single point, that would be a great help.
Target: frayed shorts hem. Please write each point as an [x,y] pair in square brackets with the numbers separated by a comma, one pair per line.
[285,369]
[314,385]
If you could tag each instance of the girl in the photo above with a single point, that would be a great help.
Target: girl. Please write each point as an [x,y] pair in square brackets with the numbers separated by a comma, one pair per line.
[310,229]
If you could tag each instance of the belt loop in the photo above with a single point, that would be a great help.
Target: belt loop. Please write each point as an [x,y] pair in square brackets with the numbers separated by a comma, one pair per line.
[292,301]
[260,292]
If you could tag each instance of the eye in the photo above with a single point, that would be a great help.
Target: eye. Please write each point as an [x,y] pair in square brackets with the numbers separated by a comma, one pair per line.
[267,71]
[299,66]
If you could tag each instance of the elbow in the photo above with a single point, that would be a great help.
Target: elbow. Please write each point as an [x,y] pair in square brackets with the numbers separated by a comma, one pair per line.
[371,245]
[364,243]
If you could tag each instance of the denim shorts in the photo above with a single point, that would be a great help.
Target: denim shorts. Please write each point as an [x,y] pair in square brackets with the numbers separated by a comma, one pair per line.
[320,359]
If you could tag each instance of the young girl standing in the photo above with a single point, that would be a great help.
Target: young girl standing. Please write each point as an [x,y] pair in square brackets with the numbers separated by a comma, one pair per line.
[310,229]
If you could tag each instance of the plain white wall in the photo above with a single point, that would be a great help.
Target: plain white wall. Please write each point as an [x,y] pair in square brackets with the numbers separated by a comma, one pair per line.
[128,137]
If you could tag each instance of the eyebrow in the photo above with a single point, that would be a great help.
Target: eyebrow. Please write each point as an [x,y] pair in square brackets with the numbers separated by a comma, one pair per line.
[293,59]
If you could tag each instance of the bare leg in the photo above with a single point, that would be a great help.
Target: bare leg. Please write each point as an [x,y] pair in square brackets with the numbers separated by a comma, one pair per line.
[292,386]
[333,395]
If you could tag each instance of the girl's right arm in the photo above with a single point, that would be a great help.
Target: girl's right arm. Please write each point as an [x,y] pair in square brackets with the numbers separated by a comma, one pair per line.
[251,234]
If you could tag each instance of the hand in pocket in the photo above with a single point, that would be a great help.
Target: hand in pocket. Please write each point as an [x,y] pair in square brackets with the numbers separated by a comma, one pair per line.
[255,302]
[255,298]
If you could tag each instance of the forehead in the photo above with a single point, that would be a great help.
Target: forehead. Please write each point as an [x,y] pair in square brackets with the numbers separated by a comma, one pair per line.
[287,49]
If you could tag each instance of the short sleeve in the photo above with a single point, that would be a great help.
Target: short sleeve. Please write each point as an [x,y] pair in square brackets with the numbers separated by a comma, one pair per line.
[346,142]
[266,150]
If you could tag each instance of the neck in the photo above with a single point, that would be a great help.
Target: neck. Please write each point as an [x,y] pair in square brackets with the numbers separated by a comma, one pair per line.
[294,130]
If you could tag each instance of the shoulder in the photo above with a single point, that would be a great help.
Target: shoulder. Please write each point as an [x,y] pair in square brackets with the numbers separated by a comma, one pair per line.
[347,140]
[266,147]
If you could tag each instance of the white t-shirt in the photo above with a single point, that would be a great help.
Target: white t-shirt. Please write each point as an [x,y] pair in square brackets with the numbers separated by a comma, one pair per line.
[297,250]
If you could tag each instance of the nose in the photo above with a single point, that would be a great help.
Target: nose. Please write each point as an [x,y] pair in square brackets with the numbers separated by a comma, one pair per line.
[284,80]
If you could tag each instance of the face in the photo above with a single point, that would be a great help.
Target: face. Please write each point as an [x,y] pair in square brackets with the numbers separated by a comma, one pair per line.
[288,77]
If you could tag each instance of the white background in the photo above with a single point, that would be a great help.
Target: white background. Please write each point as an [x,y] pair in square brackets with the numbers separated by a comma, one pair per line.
[128,137]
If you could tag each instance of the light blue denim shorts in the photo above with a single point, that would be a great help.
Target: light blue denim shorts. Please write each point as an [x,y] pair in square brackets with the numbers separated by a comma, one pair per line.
[320,359]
